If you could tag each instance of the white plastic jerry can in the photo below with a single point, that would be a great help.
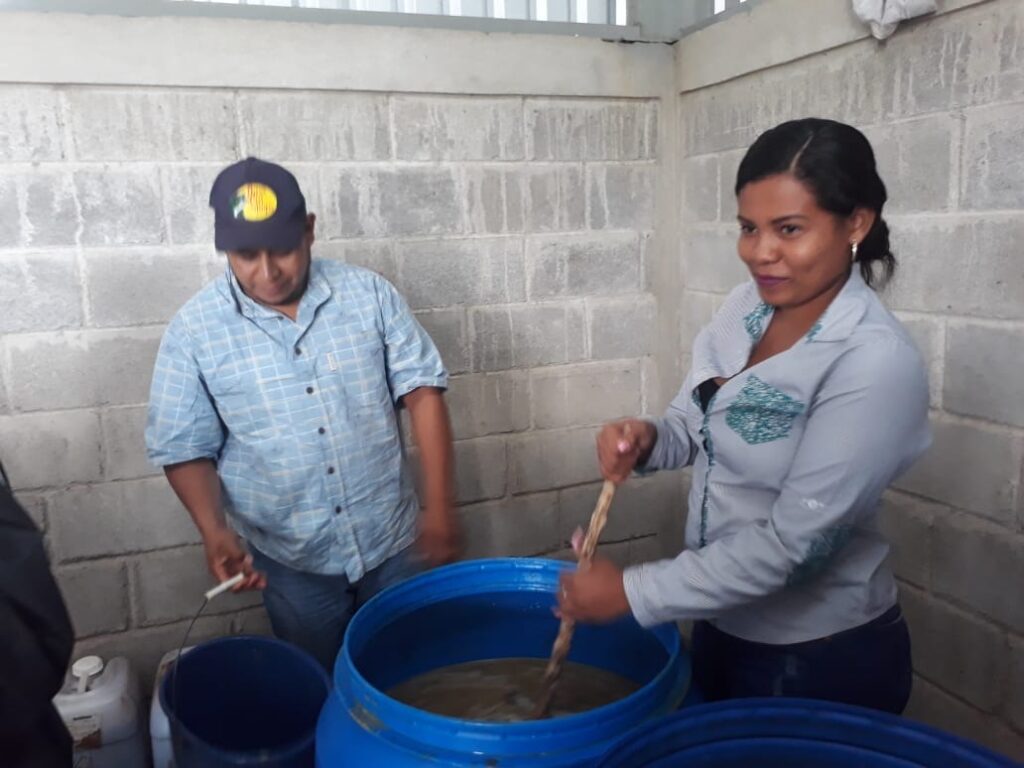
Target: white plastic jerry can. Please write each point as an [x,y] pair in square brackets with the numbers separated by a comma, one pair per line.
[100,704]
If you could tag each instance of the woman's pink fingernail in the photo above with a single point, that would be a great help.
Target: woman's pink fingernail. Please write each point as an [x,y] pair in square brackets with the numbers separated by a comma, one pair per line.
[623,446]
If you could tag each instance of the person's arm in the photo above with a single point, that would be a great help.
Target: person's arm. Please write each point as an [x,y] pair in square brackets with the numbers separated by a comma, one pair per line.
[647,444]
[672,447]
[197,486]
[35,632]
[417,379]
[625,446]
[184,436]
[867,425]
[439,538]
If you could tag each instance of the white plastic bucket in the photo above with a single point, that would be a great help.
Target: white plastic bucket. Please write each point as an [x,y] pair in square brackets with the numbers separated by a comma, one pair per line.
[159,727]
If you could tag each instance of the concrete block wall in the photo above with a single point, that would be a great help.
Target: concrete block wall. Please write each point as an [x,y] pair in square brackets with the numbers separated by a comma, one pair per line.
[560,217]
[519,228]
[943,104]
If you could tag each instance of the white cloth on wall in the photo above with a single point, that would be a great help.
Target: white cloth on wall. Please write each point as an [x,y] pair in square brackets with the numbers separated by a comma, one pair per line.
[885,15]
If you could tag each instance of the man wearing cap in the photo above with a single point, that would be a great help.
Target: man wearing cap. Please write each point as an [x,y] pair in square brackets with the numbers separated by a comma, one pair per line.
[273,408]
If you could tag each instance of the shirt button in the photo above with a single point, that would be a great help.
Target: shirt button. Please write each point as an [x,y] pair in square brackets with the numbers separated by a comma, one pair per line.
[321,430]
[337,510]
[330,470]
[309,390]
[298,351]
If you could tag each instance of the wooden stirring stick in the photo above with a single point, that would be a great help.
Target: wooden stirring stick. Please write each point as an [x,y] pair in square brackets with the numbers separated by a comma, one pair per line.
[560,650]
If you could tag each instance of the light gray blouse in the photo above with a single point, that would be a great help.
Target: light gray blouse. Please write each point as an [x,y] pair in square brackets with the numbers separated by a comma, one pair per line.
[789,463]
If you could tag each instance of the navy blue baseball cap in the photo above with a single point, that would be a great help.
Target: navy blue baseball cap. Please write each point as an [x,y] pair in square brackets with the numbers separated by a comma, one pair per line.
[257,205]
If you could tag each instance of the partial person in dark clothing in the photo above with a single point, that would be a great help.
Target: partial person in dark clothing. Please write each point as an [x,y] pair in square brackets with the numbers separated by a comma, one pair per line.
[35,645]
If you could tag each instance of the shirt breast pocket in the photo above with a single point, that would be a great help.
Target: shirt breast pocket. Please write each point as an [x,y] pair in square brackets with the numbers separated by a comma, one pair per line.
[241,406]
[362,369]
[762,413]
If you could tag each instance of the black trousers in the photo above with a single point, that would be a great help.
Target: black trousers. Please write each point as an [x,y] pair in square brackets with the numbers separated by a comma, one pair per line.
[869,665]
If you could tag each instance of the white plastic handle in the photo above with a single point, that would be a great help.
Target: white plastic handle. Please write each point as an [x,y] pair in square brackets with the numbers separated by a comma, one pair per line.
[224,586]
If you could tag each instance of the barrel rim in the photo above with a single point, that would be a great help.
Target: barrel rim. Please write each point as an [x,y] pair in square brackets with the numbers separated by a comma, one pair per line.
[249,756]
[657,697]
[805,720]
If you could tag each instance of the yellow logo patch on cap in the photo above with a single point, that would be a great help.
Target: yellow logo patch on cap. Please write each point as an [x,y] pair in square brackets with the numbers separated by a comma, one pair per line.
[254,202]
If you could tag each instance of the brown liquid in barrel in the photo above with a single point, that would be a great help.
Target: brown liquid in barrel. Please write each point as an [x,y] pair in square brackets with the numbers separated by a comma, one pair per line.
[507,690]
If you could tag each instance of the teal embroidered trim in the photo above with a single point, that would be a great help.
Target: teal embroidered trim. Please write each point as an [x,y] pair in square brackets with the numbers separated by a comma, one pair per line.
[822,550]
[754,322]
[761,413]
[815,330]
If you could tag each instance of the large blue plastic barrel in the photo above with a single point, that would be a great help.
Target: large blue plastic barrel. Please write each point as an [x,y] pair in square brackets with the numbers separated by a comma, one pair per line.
[794,733]
[244,701]
[484,609]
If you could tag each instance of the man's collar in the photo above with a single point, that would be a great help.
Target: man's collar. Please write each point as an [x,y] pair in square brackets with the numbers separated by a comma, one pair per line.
[318,290]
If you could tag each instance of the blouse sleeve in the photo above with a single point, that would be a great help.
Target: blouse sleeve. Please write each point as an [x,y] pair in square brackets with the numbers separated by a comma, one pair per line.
[673,448]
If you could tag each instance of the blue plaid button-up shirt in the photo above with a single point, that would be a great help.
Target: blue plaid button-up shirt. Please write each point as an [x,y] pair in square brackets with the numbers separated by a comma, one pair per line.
[299,416]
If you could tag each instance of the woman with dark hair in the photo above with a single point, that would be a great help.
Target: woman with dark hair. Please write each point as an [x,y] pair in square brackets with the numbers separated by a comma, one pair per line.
[806,398]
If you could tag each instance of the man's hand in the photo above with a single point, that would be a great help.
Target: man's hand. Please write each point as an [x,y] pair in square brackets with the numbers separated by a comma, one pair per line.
[596,595]
[621,445]
[197,485]
[440,535]
[225,557]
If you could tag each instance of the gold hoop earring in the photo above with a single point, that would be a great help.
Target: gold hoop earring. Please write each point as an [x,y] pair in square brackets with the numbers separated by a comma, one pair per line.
[853,248]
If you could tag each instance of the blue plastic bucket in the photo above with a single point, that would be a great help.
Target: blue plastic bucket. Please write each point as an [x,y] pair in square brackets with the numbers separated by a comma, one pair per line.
[244,701]
[478,610]
[794,733]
